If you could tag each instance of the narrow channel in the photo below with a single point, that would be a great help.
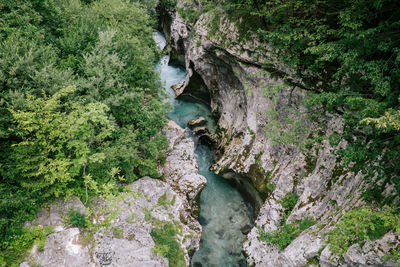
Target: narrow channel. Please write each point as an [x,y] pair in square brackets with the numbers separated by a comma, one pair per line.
[224,213]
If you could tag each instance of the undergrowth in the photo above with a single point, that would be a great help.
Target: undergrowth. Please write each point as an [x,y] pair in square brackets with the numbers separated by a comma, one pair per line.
[19,247]
[286,234]
[167,246]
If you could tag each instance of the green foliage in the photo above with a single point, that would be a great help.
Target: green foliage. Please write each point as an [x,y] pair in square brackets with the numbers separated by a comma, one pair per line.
[167,245]
[168,3]
[19,246]
[361,225]
[314,261]
[80,104]
[163,200]
[77,219]
[188,14]
[289,201]
[118,232]
[286,234]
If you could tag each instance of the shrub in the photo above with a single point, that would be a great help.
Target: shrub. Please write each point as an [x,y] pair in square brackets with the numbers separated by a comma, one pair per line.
[286,234]
[77,219]
[19,246]
[289,201]
[359,226]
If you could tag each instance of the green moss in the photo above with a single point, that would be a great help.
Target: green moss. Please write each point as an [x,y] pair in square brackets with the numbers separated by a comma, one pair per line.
[163,200]
[77,219]
[311,162]
[87,239]
[173,200]
[337,172]
[253,134]
[261,180]
[393,254]
[147,214]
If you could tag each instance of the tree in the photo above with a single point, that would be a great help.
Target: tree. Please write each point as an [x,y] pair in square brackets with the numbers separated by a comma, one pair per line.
[59,139]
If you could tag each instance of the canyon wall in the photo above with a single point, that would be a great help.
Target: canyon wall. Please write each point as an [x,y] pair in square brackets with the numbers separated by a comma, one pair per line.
[256,100]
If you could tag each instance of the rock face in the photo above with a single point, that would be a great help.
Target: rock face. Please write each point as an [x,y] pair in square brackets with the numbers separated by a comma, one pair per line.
[124,223]
[253,108]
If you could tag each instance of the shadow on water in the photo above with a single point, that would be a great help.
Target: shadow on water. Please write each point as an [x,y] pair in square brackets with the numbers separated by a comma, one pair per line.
[224,212]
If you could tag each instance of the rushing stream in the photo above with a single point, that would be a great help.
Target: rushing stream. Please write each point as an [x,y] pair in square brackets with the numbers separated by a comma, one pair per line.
[224,213]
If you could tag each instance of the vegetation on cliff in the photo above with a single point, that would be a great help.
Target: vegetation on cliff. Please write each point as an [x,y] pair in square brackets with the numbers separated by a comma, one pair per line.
[80,106]
[346,55]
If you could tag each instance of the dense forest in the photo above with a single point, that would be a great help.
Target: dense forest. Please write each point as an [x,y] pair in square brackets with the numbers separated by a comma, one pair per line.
[80,109]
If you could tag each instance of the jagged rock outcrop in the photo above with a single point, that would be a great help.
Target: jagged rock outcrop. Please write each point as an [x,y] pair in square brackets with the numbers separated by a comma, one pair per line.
[124,223]
[245,98]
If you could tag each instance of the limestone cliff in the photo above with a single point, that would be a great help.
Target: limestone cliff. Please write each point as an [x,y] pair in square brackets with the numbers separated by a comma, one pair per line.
[246,96]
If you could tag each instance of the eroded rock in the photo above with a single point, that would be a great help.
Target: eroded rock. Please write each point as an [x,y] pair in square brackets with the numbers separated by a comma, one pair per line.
[200,131]
[178,88]
[196,122]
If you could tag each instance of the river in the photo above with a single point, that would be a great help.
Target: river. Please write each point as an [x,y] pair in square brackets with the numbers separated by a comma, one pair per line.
[224,212]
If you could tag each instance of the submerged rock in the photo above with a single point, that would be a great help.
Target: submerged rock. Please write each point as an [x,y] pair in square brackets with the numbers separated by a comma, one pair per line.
[246,229]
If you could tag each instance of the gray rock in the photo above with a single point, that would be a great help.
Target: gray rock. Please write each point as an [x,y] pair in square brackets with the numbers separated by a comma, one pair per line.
[63,249]
[180,169]
[178,88]
[127,240]
[196,122]
[201,131]
[55,213]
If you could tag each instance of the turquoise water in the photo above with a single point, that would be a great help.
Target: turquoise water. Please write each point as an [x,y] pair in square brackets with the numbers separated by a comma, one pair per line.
[223,210]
